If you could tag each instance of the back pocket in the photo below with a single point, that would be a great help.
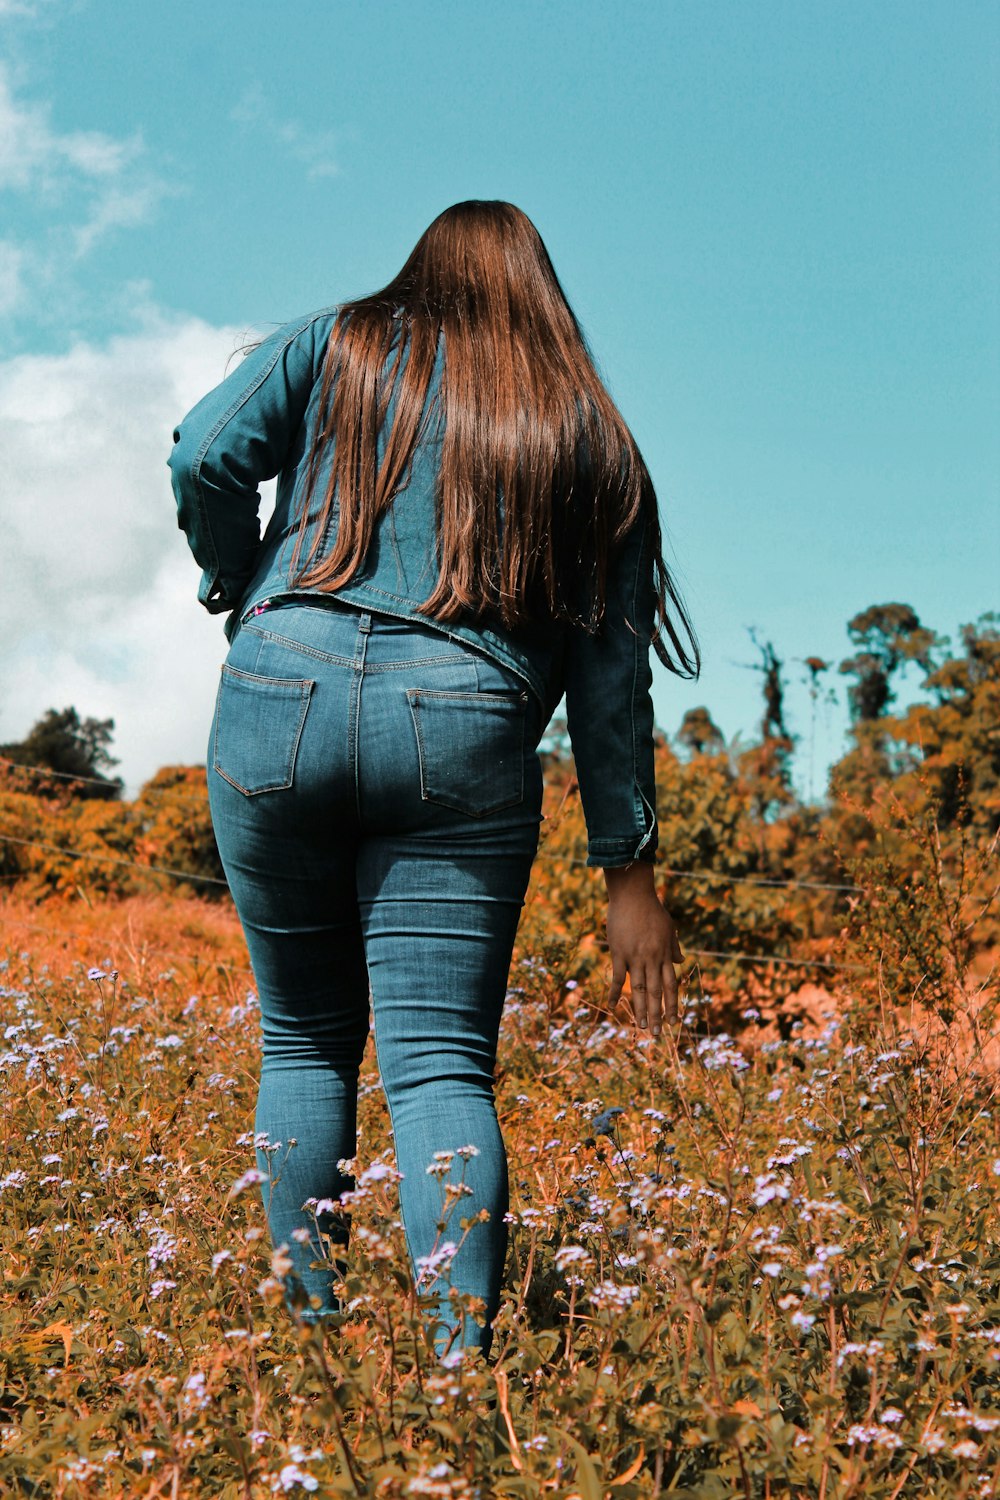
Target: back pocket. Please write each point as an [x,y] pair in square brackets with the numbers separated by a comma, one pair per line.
[258,725]
[471,748]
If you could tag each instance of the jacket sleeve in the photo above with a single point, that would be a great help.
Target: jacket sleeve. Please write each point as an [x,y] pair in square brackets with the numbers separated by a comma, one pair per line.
[609,710]
[236,437]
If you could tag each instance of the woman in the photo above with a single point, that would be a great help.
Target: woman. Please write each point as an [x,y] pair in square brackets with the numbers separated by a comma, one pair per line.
[464,531]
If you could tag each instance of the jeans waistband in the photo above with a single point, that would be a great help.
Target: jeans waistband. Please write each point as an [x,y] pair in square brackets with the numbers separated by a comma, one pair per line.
[352,627]
[366,619]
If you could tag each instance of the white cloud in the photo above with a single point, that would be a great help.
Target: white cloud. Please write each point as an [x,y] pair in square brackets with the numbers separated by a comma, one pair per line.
[118,208]
[11,276]
[99,604]
[24,134]
[79,186]
[9,9]
[315,150]
[33,154]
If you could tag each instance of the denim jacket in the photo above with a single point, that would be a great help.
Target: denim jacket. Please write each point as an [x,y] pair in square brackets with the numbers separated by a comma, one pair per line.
[258,424]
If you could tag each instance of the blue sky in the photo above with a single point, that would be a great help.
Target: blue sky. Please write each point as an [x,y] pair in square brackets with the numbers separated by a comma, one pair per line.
[777,222]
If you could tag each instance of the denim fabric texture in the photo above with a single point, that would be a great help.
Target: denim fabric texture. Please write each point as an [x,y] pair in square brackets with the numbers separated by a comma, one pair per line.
[376,796]
[258,423]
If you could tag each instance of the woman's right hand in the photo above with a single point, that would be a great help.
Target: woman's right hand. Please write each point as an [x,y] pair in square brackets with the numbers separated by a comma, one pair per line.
[643,945]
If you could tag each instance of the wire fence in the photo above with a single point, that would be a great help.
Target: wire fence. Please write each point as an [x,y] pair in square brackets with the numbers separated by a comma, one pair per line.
[245,968]
[111,859]
[186,876]
[776,881]
[109,786]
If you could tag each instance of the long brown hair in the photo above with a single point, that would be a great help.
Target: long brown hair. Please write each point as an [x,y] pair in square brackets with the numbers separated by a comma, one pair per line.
[539,476]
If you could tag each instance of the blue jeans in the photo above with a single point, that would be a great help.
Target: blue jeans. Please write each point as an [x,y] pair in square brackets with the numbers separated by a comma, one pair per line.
[376,798]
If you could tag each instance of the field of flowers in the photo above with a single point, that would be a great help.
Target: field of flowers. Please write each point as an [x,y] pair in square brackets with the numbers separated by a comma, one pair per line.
[746,1259]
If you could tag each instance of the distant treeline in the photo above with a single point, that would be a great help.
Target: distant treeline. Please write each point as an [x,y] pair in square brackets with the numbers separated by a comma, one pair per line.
[747,865]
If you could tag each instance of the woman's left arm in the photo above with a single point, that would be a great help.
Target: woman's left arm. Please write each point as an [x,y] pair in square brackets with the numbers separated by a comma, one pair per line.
[609,706]
[236,437]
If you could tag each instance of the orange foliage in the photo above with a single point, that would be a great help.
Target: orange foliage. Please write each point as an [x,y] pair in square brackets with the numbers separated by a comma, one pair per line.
[199,942]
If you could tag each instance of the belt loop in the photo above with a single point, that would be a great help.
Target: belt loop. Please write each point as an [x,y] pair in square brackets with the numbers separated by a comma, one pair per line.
[364,630]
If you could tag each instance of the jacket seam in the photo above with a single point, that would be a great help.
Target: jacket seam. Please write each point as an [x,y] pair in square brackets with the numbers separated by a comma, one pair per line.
[635,667]
[635,673]
[619,844]
[639,800]
[223,421]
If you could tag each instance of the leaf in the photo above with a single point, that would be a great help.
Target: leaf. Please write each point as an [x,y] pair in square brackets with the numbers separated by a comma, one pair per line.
[632,1469]
[61,1329]
[590,1485]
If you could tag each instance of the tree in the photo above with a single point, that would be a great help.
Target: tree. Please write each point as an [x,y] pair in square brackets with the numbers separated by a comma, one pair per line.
[815,667]
[175,826]
[70,747]
[887,635]
[699,732]
[954,743]
[771,760]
